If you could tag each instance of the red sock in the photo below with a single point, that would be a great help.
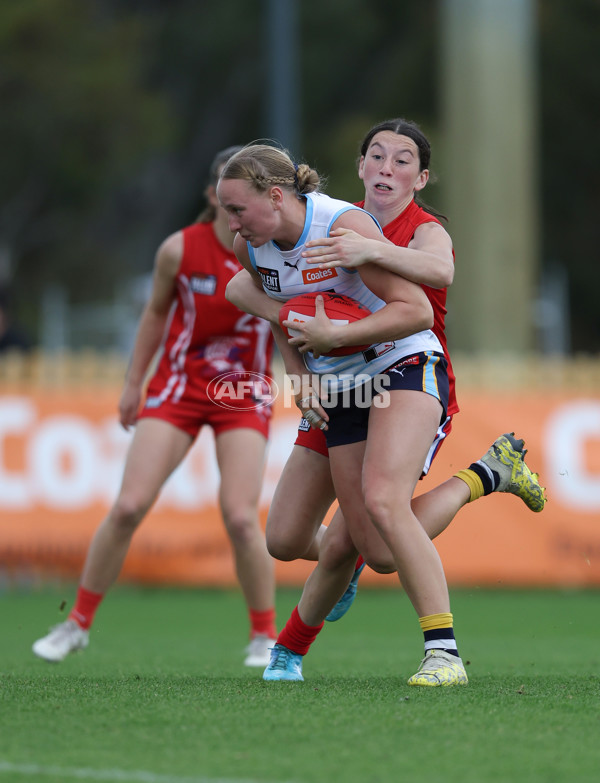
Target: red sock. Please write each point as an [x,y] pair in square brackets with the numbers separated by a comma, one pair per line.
[262,623]
[297,636]
[359,562]
[85,607]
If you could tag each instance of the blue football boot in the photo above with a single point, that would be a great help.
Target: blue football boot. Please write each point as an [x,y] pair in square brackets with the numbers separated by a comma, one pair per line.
[284,665]
[345,602]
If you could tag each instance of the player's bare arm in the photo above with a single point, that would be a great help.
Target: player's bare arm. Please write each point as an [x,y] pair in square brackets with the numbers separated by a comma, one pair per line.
[243,291]
[151,326]
[427,260]
[305,386]
[291,358]
[306,398]
[407,310]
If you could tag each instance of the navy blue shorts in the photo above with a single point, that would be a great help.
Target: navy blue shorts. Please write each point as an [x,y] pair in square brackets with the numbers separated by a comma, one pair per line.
[349,412]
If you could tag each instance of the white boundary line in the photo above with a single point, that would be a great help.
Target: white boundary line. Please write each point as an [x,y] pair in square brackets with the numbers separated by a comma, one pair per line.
[132,776]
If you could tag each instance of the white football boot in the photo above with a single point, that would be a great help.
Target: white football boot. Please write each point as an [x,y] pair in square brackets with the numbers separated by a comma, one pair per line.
[258,652]
[63,639]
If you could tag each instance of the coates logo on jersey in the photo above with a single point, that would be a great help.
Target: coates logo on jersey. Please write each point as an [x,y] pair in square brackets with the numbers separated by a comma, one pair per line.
[317,275]
[242,390]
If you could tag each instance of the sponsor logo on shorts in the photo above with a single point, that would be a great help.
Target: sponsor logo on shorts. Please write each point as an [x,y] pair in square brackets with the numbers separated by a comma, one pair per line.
[153,402]
[414,360]
[317,275]
[203,284]
[304,425]
[270,278]
[242,390]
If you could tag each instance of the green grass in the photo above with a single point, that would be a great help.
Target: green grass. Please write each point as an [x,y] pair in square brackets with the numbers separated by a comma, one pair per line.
[161,696]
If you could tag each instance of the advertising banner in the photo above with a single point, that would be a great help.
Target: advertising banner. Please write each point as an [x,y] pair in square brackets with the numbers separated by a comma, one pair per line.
[62,454]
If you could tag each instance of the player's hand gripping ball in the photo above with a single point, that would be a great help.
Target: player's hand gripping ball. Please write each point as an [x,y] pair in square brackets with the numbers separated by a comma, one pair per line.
[340,309]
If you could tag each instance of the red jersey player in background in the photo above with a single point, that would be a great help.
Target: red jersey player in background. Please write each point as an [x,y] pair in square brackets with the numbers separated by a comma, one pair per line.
[201,335]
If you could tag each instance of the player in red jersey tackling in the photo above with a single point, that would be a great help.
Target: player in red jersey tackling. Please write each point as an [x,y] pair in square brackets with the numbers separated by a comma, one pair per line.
[394,166]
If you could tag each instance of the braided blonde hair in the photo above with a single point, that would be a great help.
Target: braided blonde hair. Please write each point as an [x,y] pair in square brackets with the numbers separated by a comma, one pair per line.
[263,166]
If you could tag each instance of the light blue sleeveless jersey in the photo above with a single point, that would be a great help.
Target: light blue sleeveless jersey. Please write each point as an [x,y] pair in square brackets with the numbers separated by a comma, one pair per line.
[285,274]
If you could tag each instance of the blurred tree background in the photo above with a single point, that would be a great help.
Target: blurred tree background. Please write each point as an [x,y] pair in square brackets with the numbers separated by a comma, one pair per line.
[111,111]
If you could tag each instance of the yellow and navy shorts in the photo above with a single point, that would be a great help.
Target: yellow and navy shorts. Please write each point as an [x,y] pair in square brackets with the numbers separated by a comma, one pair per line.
[349,412]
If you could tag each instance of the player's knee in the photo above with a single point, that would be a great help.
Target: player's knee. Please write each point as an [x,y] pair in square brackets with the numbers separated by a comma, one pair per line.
[336,554]
[385,510]
[379,563]
[283,549]
[377,504]
[127,513]
[242,526]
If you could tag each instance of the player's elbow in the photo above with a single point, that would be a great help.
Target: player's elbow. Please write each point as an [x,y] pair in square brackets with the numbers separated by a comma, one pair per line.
[443,275]
[424,316]
[232,292]
[413,317]
[446,275]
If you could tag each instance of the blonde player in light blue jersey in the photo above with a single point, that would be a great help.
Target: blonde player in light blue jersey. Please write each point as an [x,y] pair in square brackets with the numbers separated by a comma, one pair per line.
[272,204]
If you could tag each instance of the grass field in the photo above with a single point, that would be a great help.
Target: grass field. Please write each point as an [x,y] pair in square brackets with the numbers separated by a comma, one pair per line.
[160,696]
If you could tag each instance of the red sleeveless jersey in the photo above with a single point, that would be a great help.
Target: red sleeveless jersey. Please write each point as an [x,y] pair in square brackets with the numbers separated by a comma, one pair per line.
[400,231]
[206,335]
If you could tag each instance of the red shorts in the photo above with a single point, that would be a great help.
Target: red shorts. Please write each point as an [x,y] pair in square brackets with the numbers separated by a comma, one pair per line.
[191,417]
[315,440]
[311,439]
